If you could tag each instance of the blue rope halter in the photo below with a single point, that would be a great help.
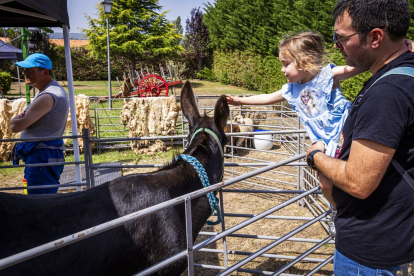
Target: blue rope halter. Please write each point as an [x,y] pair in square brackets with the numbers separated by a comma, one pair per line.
[213,200]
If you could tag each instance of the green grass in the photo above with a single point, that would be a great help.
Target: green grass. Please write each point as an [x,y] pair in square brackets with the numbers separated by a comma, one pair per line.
[94,88]
[123,156]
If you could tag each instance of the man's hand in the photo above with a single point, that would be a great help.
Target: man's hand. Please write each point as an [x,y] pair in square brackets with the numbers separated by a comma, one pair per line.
[319,145]
[21,115]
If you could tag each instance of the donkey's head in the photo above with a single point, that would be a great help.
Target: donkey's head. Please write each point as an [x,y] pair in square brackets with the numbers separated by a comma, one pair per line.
[203,129]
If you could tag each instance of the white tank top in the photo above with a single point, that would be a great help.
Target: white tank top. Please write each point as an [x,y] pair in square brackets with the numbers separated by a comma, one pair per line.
[54,122]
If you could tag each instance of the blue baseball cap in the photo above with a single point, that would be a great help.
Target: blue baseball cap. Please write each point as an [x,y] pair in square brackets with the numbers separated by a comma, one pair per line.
[36,60]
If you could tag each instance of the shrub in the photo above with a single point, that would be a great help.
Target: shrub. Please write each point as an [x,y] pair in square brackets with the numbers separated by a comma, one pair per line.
[206,74]
[249,70]
[5,82]
[84,66]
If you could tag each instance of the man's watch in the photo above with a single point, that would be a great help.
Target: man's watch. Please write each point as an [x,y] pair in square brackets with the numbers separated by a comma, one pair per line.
[310,160]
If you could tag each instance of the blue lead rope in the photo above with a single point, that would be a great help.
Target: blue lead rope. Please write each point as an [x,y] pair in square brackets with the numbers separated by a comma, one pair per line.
[214,201]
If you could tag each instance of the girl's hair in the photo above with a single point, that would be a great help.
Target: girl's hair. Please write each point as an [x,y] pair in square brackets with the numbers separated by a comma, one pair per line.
[306,49]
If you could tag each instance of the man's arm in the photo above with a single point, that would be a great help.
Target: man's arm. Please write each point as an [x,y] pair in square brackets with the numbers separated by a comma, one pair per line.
[362,173]
[326,188]
[36,110]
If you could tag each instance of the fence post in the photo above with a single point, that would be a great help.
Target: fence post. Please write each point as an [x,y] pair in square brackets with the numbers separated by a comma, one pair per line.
[86,145]
[223,228]
[298,169]
[87,151]
[189,231]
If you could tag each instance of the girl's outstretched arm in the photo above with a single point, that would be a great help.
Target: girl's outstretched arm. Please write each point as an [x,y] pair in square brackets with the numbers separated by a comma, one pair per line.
[261,99]
[345,72]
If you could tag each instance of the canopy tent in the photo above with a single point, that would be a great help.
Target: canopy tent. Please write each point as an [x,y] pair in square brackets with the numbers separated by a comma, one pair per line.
[8,52]
[45,13]
[33,13]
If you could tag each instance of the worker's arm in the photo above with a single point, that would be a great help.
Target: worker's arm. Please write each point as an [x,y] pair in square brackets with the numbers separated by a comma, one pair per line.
[261,99]
[39,108]
[362,173]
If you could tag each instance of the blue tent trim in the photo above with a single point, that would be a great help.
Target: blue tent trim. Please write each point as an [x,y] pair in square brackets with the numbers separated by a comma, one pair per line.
[8,52]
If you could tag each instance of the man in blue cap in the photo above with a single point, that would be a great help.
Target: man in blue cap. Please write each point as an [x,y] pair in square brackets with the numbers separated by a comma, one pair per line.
[46,116]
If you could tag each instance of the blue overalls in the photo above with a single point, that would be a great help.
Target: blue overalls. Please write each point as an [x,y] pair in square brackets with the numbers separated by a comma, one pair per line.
[41,152]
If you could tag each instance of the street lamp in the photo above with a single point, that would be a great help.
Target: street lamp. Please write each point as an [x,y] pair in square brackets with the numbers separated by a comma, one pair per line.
[107,5]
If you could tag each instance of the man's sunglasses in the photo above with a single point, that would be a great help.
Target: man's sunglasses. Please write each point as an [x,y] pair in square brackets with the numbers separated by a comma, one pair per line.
[337,40]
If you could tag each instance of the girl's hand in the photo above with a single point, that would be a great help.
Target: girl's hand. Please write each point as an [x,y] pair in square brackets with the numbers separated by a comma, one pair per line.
[233,100]
[409,44]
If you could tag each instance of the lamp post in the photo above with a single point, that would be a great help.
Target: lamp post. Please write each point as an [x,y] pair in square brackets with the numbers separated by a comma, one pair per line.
[107,5]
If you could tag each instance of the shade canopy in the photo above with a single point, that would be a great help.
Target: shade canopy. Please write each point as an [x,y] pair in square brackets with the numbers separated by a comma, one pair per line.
[8,52]
[33,13]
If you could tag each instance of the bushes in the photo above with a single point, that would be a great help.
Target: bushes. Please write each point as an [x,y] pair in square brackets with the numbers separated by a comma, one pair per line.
[5,82]
[252,71]
[249,70]
[84,66]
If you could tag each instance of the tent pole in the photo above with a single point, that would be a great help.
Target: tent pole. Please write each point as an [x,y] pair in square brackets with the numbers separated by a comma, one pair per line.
[72,102]
[24,49]
[18,77]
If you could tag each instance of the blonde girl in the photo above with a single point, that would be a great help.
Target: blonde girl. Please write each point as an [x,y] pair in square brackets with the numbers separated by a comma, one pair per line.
[303,57]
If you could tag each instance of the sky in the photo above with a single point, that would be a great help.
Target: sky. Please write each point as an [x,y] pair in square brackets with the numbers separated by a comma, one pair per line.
[77,9]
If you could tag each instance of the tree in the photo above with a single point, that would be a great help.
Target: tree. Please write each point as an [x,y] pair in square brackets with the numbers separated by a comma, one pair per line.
[13,34]
[178,28]
[137,32]
[197,40]
[259,25]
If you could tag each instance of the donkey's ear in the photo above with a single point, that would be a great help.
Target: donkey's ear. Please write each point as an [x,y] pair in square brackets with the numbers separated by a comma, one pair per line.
[221,112]
[188,104]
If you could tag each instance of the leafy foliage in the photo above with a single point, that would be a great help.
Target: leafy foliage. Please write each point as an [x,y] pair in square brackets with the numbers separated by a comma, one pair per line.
[196,43]
[178,29]
[84,66]
[12,33]
[137,32]
[206,74]
[248,69]
[258,25]
[5,82]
